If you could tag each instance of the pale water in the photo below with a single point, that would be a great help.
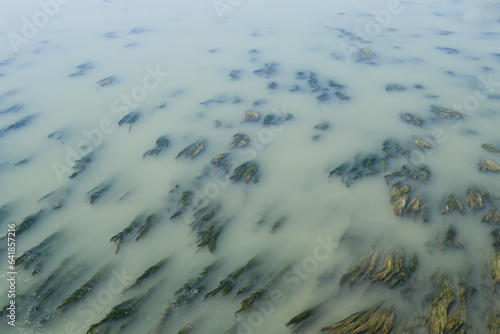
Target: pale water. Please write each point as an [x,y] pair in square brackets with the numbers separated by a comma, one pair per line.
[166,59]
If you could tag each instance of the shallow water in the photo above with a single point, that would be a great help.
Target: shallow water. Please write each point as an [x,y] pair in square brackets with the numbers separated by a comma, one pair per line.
[325,227]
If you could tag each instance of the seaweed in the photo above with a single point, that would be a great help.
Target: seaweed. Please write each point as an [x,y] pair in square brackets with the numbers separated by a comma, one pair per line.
[437,314]
[365,267]
[492,215]
[398,193]
[184,202]
[81,164]
[148,272]
[375,320]
[421,144]
[447,113]
[56,198]
[322,126]
[492,321]
[161,143]
[494,259]
[396,268]
[81,70]
[81,292]
[268,70]
[188,293]
[251,116]
[412,119]
[227,284]
[18,125]
[239,140]
[491,148]
[222,160]
[474,198]
[120,311]
[27,223]
[447,240]
[193,150]
[486,165]
[247,303]
[129,118]
[34,254]
[304,318]
[453,203]
[106,81]
[119,238]
[97,192]
[246,172]
[150,221]
[394,86]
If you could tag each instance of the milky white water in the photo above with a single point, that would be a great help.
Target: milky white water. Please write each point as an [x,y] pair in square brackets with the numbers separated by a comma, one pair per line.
[191,47]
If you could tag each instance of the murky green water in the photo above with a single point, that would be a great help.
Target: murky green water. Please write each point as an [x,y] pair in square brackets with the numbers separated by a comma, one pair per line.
[179,227]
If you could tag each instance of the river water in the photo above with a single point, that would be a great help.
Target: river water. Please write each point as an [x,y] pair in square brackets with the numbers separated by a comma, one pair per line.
[189,71]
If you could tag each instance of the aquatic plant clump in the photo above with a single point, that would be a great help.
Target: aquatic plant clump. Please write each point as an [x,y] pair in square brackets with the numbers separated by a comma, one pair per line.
[251,116]
[437,314]
[447,113]
[486,165]
[161,143]
[364,267]
[412,119]
[396,269]
[474,198]
[246,172]
[303,319]
[491,216]
[453,203]
[120,311]
[80,293]
[193,150]
[130,118]
[376,320]
[239,140]
[491,148]
[81,164]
